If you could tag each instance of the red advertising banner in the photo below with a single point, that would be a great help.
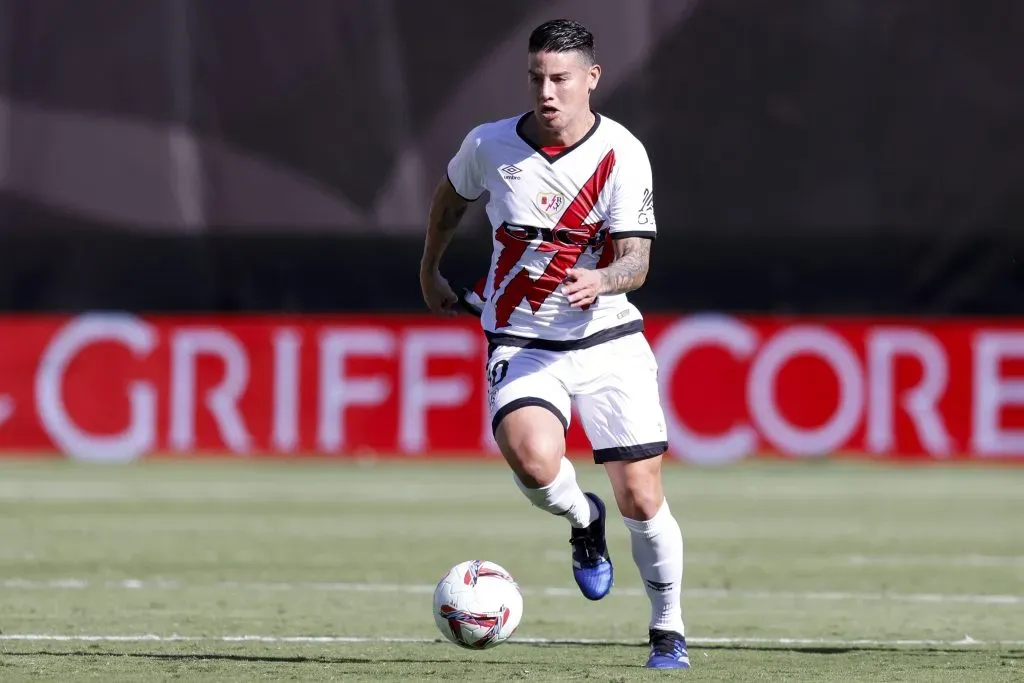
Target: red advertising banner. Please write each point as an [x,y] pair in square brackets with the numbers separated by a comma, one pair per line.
[115,387]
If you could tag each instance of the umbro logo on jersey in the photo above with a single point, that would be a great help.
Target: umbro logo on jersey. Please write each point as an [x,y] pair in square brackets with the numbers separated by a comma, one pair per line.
[510,172]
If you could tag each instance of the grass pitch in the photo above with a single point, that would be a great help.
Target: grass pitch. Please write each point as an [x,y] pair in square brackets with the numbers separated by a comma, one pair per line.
[241,571]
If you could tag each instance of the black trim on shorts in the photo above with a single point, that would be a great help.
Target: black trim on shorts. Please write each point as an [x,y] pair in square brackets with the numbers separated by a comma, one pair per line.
[522,403]
[630,453]
[610,334]
[649,234]
[456,190]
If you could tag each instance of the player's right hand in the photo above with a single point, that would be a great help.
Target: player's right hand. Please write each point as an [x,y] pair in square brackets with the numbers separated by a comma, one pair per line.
[438,294]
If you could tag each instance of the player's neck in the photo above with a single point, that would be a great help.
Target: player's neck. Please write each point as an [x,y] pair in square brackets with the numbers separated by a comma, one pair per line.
[568,136]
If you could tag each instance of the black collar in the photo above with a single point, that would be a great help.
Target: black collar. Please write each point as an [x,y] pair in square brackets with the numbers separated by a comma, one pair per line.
[537,148]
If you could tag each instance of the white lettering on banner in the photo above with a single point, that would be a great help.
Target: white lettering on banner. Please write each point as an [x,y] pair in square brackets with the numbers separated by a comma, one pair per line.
[769,359]
[671,347]
[139,437]
[419,392]
[921,402]
[993,392]
[805,340]
[222,400]
[287,345]
[338,392]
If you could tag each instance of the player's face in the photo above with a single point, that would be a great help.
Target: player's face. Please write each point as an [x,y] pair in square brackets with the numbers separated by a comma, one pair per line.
[560,84]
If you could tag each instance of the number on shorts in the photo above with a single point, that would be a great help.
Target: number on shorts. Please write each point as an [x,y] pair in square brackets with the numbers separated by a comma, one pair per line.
[497,372]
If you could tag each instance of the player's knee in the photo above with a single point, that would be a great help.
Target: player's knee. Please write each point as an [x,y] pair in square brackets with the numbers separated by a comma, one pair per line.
[536,458]
[638,490]
[533,442]
[642,502]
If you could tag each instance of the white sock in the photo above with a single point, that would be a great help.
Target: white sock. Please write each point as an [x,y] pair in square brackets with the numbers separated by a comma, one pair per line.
[562,497]
[658,552]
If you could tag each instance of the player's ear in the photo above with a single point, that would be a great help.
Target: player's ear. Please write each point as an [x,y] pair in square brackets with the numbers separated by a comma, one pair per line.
[593,76]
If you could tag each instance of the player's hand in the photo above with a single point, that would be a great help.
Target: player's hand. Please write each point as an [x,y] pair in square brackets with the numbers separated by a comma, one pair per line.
[438,294]
[582,286]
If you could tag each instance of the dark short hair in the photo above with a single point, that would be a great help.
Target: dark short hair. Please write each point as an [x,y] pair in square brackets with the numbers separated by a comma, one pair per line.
[563,35]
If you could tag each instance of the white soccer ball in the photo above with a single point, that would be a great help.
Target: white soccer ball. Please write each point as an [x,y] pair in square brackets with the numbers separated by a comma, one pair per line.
[477,605]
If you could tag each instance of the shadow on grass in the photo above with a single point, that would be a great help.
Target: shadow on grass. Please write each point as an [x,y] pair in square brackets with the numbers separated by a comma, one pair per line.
[327,659]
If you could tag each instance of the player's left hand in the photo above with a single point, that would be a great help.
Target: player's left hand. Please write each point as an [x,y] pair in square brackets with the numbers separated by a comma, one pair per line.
[582,286]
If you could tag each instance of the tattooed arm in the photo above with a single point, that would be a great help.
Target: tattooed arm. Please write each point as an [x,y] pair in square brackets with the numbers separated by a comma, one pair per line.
[633,227]
[628,270]
[446,210]
[626,273]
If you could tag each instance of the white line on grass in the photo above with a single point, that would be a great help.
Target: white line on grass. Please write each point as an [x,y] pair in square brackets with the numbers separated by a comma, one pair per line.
[695,641]
[550,591]
[825,560]
[37,491]
[938,560]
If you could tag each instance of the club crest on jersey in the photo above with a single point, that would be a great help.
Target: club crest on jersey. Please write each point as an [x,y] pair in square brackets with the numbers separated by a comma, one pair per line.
[550,202]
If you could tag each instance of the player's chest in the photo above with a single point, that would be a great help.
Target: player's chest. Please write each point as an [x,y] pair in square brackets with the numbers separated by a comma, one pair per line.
[534,191]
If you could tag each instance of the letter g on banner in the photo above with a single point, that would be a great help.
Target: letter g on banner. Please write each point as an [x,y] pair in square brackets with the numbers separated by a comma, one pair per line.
[140,435]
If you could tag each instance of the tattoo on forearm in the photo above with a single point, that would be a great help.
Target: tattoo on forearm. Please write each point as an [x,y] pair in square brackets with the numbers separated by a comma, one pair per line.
[450,216]
[446,210]
[629,270]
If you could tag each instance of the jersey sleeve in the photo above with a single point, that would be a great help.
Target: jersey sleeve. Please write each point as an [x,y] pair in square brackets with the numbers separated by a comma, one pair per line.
[631,211]
[464,168]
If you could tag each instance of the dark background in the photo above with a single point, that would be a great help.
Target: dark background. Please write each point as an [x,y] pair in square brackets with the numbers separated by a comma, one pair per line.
[815,156]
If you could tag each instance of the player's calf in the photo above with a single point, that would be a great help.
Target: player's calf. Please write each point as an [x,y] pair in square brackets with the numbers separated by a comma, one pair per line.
[591,565]
[534,446]
[532,440]
[657,548]
[655,538]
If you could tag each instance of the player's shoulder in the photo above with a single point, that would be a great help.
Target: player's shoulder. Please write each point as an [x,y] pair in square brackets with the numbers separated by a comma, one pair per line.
[494,129]
[621,138]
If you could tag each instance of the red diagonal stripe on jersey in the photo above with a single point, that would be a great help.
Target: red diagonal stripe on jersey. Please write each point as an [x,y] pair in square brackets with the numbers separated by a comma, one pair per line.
[512,251]
[583,204]
[536,292]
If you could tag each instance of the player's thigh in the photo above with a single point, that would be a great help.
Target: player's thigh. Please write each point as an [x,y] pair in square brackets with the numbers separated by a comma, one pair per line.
[619,402]
[530,410]
[622,415]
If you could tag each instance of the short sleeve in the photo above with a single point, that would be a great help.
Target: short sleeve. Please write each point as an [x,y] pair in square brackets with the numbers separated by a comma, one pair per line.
[464,168]
[631,211]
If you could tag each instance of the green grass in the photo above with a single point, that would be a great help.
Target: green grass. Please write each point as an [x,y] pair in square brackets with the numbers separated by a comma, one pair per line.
[794,572]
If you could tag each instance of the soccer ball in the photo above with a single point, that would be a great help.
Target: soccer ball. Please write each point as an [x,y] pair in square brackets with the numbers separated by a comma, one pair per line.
[477,605]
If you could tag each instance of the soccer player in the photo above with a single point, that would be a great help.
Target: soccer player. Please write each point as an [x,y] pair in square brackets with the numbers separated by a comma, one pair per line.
[571,203]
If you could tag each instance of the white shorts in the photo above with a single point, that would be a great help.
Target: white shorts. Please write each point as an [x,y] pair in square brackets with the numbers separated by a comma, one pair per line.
[613,385]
